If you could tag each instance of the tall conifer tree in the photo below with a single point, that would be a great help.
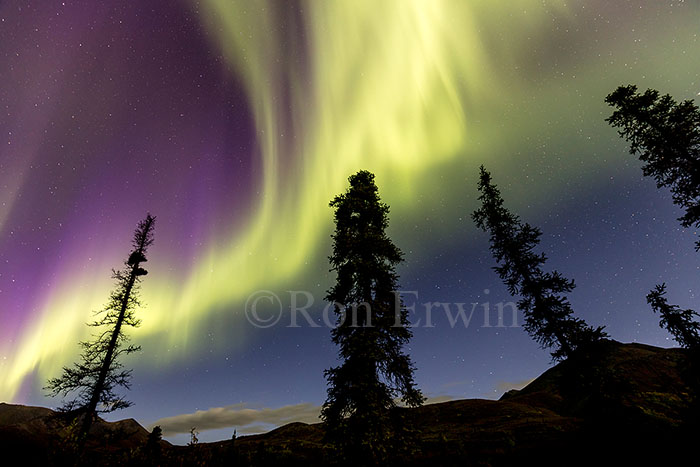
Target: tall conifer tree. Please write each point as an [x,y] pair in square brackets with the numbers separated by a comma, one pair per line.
[372,328]
[95,378]
[665,135]
[548,314]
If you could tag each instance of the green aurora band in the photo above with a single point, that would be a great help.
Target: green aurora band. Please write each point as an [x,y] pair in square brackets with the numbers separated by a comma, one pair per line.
[420,92]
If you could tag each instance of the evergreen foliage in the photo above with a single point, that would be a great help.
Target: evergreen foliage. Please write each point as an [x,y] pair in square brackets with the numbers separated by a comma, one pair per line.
[665,135]
[95,378]
[372,326]
[680,323]
[548,315]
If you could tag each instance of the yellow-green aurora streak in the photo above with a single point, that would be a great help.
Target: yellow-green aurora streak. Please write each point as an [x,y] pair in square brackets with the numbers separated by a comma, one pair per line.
[388,86]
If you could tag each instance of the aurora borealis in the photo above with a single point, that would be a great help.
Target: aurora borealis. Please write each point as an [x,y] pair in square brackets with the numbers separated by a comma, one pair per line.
[235,123]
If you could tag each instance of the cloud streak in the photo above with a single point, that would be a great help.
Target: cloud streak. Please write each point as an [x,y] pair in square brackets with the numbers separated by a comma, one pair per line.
[247,420]
[504,386]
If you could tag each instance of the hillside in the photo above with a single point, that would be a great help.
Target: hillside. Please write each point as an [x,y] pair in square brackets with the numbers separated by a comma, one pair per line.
[624,403]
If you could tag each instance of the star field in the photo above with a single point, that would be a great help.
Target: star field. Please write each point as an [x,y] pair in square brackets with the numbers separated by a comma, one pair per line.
[235,123]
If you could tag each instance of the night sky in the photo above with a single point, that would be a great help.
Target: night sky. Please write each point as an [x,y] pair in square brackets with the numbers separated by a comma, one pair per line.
[235,123]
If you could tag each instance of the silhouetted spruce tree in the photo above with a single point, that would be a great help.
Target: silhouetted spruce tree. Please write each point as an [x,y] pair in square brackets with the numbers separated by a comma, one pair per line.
[680,323]
[665,135]
[547,312]
[153,449]
[372,327]
[94,379]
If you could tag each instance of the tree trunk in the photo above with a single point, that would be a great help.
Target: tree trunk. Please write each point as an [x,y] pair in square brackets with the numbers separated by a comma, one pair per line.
[99,386]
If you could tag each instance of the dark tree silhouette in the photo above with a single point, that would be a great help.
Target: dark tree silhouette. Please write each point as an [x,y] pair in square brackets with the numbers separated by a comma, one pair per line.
[665,136]
[547,311]
[153,448]
[680,323]
[372,327]
[95,378]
